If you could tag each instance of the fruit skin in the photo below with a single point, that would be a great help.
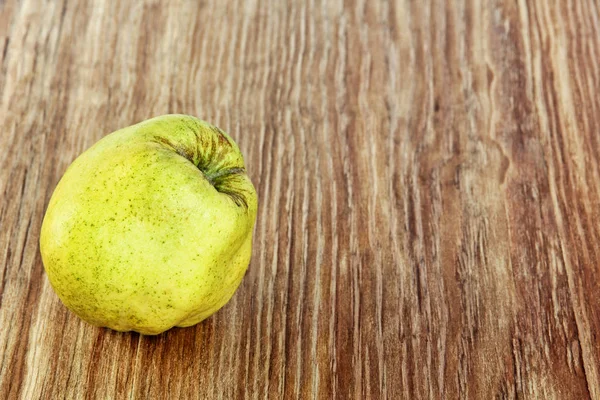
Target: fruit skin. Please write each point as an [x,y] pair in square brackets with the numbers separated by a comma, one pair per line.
[151,227]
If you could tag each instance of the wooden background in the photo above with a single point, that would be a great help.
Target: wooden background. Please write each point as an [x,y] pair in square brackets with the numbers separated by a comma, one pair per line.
[429,186]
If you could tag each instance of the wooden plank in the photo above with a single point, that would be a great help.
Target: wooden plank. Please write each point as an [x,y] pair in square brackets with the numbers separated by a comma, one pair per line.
[428,175]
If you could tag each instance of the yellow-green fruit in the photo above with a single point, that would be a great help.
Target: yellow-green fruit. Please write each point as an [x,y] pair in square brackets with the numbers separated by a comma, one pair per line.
[151,227]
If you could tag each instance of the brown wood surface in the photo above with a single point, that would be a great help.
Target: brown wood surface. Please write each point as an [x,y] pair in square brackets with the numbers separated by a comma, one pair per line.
[429,184]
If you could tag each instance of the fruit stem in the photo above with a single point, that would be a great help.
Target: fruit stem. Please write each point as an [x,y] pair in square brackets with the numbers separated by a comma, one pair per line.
[217,175]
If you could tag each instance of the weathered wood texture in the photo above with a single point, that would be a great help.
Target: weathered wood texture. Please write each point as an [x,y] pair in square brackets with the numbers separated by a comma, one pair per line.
[429,182]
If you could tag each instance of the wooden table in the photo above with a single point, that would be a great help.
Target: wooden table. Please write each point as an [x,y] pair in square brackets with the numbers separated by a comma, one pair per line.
[429,186]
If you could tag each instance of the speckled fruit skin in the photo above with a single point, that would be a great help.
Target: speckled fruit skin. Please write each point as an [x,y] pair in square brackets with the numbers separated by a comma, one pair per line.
[151,227]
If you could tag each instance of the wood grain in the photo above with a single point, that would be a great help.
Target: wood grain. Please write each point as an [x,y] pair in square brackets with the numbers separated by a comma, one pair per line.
[429,186]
